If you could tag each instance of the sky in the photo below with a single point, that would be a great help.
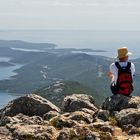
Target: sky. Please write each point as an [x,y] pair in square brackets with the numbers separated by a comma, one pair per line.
[70,14]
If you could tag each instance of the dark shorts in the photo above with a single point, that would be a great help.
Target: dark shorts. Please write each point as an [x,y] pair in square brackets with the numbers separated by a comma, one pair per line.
[114,88]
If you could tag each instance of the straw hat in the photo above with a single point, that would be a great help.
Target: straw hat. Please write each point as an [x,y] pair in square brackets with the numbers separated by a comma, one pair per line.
[123,52]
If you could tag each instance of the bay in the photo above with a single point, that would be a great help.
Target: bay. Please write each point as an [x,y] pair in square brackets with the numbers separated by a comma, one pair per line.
[5,97]
[6,73]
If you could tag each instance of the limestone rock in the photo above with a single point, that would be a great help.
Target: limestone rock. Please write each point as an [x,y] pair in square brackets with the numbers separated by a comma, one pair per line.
[92,136]
[50,115]
[34,118]
[35,132]
[88,111]
[20,118]
[134,131]
[65,134]
[78,101]
[62,121]
[81,116]
[128,116]
[29,105]
[125,137]
[103,115]
[5,134]
[119,102]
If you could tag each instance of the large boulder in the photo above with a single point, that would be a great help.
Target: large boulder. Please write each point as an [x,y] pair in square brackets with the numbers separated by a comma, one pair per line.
[76,102]
[128,116]
[29,105]
[125,111]
[119,102]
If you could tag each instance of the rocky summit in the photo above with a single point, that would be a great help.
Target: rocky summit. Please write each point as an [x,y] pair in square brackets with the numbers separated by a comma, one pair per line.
[32,117]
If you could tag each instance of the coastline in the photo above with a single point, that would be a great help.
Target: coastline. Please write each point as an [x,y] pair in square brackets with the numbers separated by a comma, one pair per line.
[7,70]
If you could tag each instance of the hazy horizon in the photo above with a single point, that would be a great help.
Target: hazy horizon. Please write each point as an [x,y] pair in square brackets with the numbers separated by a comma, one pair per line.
[98,40]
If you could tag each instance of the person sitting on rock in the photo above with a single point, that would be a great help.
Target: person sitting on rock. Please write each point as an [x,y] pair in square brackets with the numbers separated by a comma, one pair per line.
[121,73]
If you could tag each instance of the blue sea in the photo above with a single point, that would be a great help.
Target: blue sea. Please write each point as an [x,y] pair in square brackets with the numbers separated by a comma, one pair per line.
[103,40]
[6,73]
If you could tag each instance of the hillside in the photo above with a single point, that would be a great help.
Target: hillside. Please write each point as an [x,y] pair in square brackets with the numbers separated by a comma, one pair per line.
[42,69]
[57,91]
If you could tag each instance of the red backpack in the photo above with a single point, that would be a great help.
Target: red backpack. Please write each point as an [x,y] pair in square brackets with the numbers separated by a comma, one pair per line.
[124,82]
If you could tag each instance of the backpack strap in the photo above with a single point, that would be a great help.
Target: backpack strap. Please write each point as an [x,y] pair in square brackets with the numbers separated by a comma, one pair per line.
[120,68]
[118,65]
[128,66]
